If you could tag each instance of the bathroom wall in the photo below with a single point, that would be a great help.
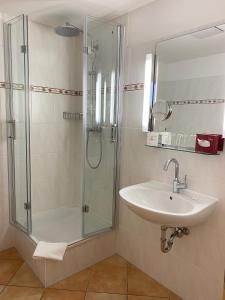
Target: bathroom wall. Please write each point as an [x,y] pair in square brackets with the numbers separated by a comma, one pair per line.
[192,79]
[194,269]
[201,78]
[55,62]
[6,231]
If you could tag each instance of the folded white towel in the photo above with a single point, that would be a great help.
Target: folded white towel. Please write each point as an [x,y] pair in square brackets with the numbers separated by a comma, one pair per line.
[53,251]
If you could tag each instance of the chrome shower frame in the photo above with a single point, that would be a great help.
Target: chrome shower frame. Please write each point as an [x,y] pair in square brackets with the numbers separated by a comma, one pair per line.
[10,121]
[118,120]
[118,114]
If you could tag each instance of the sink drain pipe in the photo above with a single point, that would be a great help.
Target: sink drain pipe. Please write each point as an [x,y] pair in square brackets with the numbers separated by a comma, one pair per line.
[167,243]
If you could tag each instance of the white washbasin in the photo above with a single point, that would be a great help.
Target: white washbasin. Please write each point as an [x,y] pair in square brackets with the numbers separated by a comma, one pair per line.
[154,201]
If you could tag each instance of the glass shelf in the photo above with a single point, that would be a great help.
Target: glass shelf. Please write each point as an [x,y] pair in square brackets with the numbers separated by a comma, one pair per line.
[191,150]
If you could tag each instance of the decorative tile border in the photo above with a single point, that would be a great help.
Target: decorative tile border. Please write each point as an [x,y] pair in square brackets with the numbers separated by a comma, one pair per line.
[133,87]
[127,88]
[41,89]
[200,101]
[45,89]
[140,86]
[2,85]
[7,85]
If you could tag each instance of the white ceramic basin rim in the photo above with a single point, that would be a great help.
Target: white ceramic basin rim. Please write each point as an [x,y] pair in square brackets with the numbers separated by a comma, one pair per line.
[155,202]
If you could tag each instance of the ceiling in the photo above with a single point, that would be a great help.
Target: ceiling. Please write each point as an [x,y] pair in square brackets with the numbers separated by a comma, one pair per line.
[54,12]
[202,43]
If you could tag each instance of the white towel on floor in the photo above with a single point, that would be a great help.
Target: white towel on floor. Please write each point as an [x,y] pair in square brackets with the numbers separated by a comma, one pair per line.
[53,251]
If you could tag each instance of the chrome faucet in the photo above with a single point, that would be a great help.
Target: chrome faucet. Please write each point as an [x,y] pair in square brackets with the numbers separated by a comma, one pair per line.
[177,184]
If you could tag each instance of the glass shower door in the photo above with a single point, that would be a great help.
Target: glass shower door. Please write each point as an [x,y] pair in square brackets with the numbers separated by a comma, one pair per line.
[101,77]
[17,92]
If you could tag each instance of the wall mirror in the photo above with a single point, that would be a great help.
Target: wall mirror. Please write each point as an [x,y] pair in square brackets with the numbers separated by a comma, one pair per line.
[189,77]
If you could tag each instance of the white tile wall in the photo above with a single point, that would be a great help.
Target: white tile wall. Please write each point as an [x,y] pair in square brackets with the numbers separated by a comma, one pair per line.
[55,61]
[194,269]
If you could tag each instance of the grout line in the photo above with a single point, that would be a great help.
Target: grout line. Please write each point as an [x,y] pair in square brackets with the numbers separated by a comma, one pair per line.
[84,291]
[150,296]
[14,274]
[110,293]
[127,276]
[4,287]
[42,294]
[57,289]
[8,258]
[69,290]
[27,286]
[88,281]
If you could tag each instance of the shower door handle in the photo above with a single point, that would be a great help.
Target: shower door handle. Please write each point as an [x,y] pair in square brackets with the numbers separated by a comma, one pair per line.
[114,128]
[11,130]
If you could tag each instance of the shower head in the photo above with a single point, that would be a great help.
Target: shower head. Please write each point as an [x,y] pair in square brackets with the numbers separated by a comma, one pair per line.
[67,30]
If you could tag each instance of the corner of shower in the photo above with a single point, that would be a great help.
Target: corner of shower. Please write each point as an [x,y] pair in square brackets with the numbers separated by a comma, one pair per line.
[99,133]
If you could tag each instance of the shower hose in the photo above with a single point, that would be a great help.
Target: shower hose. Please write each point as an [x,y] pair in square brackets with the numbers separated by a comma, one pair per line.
[99,132]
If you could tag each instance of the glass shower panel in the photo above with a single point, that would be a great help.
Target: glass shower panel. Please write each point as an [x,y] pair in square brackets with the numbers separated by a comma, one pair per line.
[18,121]
[102,41]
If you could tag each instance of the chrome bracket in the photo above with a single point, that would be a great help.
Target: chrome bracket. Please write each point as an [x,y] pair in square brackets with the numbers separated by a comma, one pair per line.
[27,206]
[114,133]
[23,48]
[85,50]
[85,208]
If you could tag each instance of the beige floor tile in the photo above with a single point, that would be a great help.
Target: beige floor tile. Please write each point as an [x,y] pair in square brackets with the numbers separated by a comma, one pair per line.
[8,268]
[21,293]
[132,297]
[76,282]
[174,296]
[25,277]
[141,284]
[62,295]
[105,296]
[224,295]
[109,276]
[115,260]
[10,253]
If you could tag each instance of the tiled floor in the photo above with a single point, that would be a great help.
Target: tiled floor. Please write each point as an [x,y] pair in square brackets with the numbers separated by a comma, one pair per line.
[111,279]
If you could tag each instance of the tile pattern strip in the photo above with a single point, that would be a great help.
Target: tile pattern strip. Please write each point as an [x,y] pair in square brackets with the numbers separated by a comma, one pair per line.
[45,89]
[199,101]
[133,87]
[42,89]
[127,88]
[140,86]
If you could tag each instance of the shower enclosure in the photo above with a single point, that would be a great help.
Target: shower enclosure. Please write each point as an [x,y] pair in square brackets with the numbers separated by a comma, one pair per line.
[62,90]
